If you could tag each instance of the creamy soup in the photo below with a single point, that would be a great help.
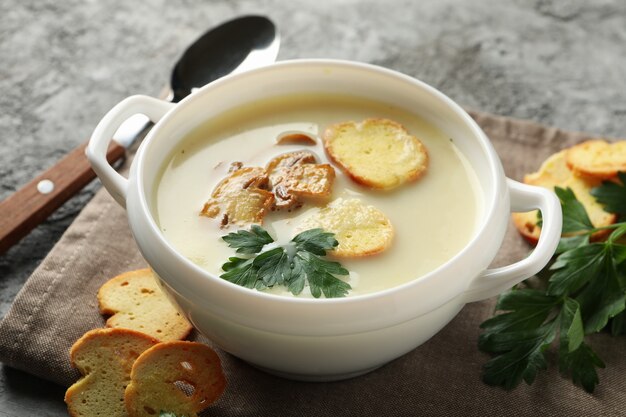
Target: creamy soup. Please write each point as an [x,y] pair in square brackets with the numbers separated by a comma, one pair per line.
[433,218]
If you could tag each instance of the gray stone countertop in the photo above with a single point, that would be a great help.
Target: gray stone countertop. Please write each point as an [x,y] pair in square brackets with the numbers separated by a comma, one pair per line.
[65,63]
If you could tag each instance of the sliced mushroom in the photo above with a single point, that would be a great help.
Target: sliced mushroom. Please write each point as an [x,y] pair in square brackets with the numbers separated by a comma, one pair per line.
[291,137]
[240,198]
[290,159]
[296,175]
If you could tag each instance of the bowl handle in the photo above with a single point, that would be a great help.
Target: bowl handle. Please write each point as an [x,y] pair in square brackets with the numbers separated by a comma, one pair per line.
[492,282]
[96,150]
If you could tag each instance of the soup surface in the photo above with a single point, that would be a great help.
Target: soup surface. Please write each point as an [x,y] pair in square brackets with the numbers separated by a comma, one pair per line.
[433,218]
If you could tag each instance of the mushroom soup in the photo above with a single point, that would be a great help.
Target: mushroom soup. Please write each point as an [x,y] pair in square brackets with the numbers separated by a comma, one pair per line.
[432,217]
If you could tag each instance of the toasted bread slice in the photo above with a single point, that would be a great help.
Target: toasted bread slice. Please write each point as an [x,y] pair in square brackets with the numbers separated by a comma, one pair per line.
[135,301]
[241,198]
[182,378]
[597,158]
[360,230]
[105,358]
[378,153]
[554,172]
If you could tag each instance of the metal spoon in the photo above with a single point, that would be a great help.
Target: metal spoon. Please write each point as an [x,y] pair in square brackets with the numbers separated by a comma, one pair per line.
[238,45]
[235,46]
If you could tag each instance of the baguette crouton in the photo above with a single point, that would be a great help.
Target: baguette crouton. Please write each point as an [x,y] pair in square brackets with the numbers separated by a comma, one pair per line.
[135,301]
[105,358]
[182,378]
[377,153]
[360,230]
[597,158]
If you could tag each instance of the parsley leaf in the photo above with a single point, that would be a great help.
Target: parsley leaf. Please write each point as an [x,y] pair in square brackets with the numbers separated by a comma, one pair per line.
[521,356]
[571,242]
[582,292]
[240,271]
[520,345]
[248,241]
[602,299]
[612,195]
[298,276]
[273,267]
[581,364]
[572,333]
[321,275]
[293,265]
[519,337]
[528,308]
[576,267]
[315,241]
[618,324]
[575,218]
[168,414]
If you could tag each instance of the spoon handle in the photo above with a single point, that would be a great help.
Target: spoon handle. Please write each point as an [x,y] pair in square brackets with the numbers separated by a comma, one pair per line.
[33,203]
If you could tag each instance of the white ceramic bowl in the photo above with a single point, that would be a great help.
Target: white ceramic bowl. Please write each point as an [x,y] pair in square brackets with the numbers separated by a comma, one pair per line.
[322,339]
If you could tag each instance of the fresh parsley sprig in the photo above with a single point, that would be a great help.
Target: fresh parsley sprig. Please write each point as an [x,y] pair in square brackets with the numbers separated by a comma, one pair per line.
[293,265]
[612,195]
[582,292]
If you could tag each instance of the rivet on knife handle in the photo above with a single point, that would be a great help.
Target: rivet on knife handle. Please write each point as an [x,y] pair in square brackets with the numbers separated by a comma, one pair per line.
[33,203]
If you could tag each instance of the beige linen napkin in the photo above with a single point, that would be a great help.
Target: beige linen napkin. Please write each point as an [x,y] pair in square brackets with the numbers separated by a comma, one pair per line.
[442,377]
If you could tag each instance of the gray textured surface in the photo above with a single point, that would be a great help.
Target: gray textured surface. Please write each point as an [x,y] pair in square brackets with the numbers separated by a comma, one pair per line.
[64,64]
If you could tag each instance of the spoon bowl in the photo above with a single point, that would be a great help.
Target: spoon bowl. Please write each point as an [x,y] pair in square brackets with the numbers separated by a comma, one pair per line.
[239,44]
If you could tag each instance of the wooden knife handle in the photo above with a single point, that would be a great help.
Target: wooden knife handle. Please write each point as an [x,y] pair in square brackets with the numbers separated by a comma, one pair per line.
[34,202]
